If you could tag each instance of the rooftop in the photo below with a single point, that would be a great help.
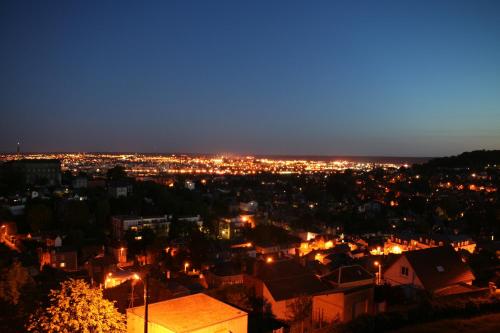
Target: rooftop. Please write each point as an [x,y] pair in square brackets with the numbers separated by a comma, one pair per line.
[288,279]
[439,267]
[189,313]
[348,274]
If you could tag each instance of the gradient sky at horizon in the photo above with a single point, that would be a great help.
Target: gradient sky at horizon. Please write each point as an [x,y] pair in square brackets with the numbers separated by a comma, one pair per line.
[400,78]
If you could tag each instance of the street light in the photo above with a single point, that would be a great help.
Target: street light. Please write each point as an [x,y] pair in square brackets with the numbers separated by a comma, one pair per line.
[186,265]
[145,281]
[135,278]
[379,274]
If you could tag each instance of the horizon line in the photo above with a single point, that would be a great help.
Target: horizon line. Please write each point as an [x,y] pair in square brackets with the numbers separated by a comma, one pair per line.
[228,154]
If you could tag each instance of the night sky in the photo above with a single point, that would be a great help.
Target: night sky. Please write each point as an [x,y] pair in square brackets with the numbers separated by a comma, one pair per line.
[407,78]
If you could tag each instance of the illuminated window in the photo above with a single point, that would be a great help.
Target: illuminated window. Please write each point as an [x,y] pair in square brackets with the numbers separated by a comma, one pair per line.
[62,265]
[440,269]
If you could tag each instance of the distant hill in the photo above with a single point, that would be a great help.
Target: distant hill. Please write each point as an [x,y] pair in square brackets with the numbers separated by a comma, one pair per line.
[473,159]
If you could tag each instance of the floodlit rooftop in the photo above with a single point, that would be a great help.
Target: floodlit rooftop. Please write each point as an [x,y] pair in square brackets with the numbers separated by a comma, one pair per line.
[189,313]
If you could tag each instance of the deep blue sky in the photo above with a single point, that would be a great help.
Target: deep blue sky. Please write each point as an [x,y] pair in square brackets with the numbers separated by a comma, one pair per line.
[398,77]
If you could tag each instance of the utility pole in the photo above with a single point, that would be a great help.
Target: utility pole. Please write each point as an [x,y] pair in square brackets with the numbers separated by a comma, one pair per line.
[146,301]
[379,275]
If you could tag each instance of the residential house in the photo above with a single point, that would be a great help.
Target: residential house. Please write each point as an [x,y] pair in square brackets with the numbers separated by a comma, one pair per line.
[227,273]
[351,295]
[281,283]
[437,270]
[64,259]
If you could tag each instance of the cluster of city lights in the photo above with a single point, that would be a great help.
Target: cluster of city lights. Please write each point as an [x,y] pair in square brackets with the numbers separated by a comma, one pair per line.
[154,164]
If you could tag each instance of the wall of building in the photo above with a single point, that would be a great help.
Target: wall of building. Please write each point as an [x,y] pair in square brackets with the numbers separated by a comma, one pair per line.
[328,308]
[278,308]
[342,306]
[217,281]
[236,325]
[394,277]
[358,283]
[135,324]
[358,303]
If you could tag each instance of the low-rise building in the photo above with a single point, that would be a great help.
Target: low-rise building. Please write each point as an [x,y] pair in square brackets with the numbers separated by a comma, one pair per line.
[458,242]
[230,228]
[398,243]
[122,223]
[64,259]
[196,220]
[197,313]
[36,171]
[228,273]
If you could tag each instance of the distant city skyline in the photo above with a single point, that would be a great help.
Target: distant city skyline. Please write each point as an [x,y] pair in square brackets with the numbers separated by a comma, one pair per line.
[330,78]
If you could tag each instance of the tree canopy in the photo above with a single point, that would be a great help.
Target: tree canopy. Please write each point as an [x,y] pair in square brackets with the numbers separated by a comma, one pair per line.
[76,307]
